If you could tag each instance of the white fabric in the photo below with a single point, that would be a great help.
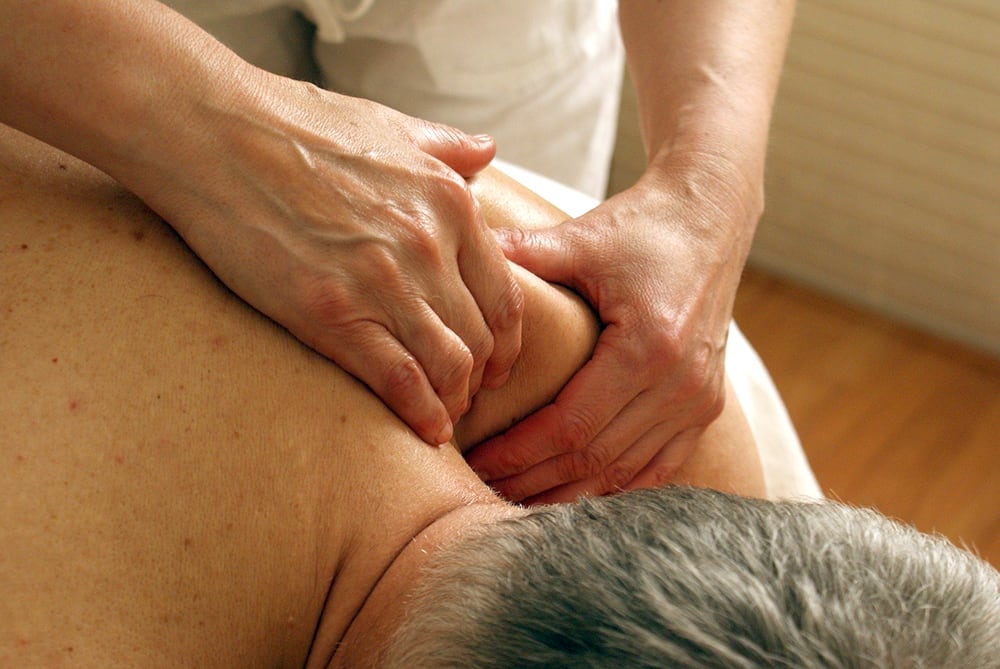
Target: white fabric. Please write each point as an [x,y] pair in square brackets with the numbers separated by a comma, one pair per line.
[330,17]
[787,473]
[786,469]
[542,76]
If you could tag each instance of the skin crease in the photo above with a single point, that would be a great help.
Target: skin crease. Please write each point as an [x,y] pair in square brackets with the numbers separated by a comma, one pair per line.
[186,484]
[723,457]
[281,189]
[659,262]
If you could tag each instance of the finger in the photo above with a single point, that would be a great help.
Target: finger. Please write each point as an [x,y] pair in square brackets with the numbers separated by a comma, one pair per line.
[581,410]
[607,463]
[547,253]
[444,355]
[488,277]
[466,154]
[514,451]
[619,475]
[667,462]
[377,358]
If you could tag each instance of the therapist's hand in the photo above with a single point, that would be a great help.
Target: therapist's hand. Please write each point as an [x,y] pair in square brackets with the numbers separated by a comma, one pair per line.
[660,266]
[351,225]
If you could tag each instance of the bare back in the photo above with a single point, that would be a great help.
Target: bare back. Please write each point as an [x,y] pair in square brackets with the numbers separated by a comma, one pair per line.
[182,479]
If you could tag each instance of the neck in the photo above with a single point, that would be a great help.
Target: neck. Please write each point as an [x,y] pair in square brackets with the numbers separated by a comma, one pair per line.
[414,500]
[384,610]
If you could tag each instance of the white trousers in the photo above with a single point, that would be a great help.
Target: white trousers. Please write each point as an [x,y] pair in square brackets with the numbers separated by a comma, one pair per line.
[543,77]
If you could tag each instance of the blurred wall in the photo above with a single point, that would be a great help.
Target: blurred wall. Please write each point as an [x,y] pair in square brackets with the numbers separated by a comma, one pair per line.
[883,183]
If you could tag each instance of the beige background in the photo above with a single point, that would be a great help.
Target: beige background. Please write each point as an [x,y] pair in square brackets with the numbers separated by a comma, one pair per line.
[883,182]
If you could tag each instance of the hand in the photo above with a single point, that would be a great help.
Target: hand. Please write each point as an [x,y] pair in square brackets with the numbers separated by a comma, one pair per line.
[351,225]
[658,264]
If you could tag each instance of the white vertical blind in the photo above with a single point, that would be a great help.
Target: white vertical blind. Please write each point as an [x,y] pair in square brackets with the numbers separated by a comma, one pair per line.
[883,182]
[883,178]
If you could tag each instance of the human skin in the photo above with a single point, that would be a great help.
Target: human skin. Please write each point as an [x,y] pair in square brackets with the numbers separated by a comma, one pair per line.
[184,483]
[411,295]
[356,220]
[661,261]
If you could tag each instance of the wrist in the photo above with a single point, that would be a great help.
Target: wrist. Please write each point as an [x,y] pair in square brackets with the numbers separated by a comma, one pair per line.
[187,129]
[171,117]
[709,175]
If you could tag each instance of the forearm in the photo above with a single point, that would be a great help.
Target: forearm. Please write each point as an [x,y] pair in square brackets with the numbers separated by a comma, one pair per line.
[705,75]
[111,82]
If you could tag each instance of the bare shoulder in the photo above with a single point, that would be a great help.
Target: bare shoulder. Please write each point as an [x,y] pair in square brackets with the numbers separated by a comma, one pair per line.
[139,467]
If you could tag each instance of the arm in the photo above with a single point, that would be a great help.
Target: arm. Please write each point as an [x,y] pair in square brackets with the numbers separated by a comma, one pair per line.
[560,333]
[348,223]
[181,479]
[661,261]
[705,108]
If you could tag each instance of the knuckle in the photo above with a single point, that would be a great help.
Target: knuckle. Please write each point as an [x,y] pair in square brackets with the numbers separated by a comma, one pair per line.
[425,240]
[450,186]
[403,376]
[585,464]
[570,468]
[575,433]
[457,186]
[692,367]
[326,301]
[691,384]
[616,476]
[379,261]
[509,308]
[702,363]
[666,347]
[455,368]
[511,461]
[463,207]
[414,232]
[703,386]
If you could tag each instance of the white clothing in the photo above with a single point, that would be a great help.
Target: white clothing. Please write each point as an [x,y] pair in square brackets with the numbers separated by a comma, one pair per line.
[787,473]
[542,76]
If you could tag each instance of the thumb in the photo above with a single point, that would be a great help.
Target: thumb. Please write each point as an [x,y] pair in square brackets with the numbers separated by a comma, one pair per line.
[466,154]
[545,253]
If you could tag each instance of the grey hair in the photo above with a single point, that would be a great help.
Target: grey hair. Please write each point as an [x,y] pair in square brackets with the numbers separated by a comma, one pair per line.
[682,577]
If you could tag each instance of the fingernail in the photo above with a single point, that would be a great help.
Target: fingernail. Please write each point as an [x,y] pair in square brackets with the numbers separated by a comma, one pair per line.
[444,436]
[483,138]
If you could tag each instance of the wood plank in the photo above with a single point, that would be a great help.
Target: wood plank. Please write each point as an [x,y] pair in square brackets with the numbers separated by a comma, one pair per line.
[889,416]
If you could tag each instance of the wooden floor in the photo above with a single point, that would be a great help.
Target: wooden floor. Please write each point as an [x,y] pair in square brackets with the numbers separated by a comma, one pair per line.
[889,417]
